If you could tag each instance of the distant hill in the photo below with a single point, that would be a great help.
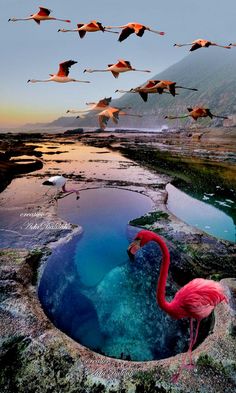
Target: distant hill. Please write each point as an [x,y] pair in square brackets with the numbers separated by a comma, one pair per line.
[211,71]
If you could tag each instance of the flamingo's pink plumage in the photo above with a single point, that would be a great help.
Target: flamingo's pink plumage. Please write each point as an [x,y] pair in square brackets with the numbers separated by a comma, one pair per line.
[196,300]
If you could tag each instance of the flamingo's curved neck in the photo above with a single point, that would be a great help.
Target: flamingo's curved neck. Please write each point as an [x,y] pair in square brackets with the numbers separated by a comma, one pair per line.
[161,285]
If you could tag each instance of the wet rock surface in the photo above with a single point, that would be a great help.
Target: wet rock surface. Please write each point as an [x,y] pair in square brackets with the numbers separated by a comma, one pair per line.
[37,357]
[12,147]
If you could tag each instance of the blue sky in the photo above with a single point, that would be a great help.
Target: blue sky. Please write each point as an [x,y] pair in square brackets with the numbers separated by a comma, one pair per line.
[32,51]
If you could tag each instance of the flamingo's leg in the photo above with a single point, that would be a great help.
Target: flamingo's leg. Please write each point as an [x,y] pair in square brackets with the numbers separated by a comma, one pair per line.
[67,194]
[194,340]
[176,376]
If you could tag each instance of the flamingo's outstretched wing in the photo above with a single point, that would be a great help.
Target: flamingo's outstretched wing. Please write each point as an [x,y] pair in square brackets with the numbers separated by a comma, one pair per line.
[81,32]
[126,32]
[101,27]
[151,83]
[172,88]
[115,117]
[44,11]
[209,113]
[64,67]
[144,96]
[104,102]
[194,47]
[103,120]
[141,32]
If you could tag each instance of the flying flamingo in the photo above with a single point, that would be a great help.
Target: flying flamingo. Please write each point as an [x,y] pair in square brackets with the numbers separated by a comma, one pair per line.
[200,43]
[156,86]
[170,86]
[131,28]
[142,90]
[43,14]
[117,68]
[196,300]
[62,75]
[83,28]
[94,106]
[112,113]
[195,113]
[60,182]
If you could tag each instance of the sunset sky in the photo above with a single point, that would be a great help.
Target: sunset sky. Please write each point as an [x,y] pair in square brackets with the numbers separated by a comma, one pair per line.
[32,51]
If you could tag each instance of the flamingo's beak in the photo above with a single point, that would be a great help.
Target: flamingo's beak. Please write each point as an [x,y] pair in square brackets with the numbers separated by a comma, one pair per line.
[133,248]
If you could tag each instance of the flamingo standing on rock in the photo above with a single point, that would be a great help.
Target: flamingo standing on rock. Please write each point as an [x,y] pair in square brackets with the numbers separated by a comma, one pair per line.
[196,113]
[62,75]
[200,43]
[42,14]
[94,106]
[91,27]
[112,113]
[60,182]
[196,300]
[117,68]
[131,28]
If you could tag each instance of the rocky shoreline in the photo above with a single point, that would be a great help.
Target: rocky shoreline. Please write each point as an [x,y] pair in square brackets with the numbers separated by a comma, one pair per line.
[37,357]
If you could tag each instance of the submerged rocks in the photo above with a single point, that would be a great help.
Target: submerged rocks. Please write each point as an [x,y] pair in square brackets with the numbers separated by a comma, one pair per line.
[129,318]
[36,357]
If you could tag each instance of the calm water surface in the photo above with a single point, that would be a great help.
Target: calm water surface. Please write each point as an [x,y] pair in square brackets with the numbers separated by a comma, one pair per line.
[92,292]
[212,214]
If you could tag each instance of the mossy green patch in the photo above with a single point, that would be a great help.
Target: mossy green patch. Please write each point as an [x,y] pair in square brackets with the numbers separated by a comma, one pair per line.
[149,219]
[206,361]
[9,253]
[147,382]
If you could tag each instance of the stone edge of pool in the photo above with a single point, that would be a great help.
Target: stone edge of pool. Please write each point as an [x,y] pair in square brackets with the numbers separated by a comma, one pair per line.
[38,357]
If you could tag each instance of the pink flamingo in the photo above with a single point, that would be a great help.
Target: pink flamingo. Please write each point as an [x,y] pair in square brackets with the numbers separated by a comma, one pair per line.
[60,182]
[62,75]
[196,300]
[83,28]
[112,113]
[131,28]
[42,14]
[117,68]
[200,43]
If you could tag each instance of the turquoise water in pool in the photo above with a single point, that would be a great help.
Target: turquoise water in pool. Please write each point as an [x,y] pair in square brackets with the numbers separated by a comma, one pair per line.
[92,292]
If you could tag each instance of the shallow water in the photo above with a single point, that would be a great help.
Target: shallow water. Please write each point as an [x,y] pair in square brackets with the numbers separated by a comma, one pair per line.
[82,164]
[204,213]
[92,292]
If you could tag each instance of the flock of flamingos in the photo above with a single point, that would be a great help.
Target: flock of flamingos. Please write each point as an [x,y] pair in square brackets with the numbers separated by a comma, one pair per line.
[107,112]
[197,299]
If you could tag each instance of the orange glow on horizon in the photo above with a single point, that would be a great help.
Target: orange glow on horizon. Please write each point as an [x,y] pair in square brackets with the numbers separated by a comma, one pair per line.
[19,116]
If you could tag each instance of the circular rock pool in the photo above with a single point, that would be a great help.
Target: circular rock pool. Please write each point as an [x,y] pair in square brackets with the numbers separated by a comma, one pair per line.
[92,291]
